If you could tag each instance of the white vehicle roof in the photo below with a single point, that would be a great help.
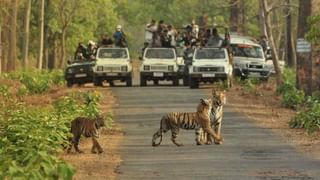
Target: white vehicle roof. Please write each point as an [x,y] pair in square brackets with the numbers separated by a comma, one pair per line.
[236,39]
[171,49]
[113,53]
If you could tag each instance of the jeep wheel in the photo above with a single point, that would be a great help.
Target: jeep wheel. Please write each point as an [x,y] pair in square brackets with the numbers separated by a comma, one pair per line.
[129,81]
[175,82]
[69,83]
[143,82]
[193,83]
[185,81]
[97,82]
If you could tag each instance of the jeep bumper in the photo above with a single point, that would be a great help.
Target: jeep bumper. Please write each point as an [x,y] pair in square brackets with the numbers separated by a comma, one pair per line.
[112,75]
[159,75]
[208,77]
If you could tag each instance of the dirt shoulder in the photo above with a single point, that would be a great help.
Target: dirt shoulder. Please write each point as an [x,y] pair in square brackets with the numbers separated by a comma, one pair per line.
[102,166]
[264,108]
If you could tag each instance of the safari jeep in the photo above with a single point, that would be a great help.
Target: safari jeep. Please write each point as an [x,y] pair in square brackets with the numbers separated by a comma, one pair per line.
[159,64]
[79,72]
[210,65]
[248,58]
[112,64]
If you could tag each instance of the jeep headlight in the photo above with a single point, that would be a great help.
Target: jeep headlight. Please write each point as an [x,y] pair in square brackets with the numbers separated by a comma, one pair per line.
[146,67]
[170,68]
[195,69]
[69,71]
[100,68]
[124,68]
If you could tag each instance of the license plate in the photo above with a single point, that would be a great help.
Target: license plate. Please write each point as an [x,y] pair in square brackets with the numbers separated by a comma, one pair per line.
[112,74]
[208,75]
[158,74]
[80,75]
[254,74]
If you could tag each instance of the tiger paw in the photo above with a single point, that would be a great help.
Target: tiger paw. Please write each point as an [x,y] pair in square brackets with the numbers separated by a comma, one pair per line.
[208,143]
[199,143]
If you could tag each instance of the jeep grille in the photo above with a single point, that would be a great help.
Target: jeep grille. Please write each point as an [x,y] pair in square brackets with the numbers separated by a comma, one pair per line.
[112,68]
[211,69]
[255,66]
[159,68]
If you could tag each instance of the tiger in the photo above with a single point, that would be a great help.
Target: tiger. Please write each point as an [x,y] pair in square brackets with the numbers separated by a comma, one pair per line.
[193,120]
[216,115]
[88,127]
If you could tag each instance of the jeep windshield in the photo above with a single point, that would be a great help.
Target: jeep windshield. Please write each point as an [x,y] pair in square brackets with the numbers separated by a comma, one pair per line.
[210,54]
[244,50]
[112,54]
[160,54]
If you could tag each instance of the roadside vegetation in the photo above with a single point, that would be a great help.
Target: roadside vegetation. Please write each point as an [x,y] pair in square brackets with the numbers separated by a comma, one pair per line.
[307,108]
[31,137]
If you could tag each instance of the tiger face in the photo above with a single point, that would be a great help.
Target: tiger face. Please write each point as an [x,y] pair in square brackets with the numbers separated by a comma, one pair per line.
[100,121]
[218,98]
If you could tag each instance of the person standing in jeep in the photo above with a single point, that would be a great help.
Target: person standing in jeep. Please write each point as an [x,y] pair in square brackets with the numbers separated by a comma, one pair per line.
[119,37]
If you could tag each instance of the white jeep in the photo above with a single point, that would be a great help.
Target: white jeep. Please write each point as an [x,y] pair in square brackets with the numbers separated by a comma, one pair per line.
[112,64]
[248,58]
[210,65]
[159,64]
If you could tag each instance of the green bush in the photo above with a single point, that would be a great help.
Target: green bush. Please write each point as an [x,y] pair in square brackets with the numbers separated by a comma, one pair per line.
[30,141]
[309,118]
[31,138]
[37,82]
[291,96]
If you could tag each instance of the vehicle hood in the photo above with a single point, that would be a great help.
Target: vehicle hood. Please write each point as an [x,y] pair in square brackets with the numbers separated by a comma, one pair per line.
[210,62]
[160,62]
[82,64]
[246,60]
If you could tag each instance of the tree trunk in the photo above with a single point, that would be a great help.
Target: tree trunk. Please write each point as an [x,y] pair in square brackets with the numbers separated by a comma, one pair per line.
[234,14]
[0,48]
[25,47]
[263,29]
[304,64]
[40,58]
[288,49]
[275,57]
[13,36]
[63,48]
[315,53]
[242,23]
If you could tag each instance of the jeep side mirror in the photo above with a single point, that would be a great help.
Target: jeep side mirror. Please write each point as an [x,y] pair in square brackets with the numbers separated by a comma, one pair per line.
[140,58]
[69,62]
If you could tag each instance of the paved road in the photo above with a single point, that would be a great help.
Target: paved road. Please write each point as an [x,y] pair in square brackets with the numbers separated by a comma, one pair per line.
[248,152]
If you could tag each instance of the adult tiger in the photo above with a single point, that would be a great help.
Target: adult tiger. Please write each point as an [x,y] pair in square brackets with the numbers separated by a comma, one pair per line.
[216,115]
[193,120]
[87,127]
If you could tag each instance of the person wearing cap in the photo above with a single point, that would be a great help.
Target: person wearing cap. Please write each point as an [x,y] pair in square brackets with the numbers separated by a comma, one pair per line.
[119,37]
[92,50]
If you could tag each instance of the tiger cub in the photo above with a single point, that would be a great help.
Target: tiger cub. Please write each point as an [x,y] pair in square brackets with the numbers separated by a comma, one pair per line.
[87,127]
[216,115]
[194,120]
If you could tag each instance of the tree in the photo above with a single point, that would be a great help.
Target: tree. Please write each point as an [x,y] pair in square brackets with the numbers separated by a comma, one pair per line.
[275,58]
[304,64]
[11,66]
[234,14]
[40,58]
[25,47]
[289,49]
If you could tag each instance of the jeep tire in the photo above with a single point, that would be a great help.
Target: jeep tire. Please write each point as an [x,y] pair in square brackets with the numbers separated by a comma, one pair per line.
[129,81]
[69,83]
[143,82]
[175,81]
[97,82]
[193,83]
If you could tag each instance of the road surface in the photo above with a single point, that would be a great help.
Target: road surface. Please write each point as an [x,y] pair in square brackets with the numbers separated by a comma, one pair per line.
[248,152]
